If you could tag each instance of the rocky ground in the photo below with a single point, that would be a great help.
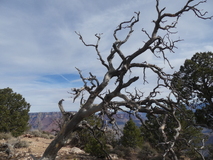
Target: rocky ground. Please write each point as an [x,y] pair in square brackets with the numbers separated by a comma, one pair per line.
[36,147]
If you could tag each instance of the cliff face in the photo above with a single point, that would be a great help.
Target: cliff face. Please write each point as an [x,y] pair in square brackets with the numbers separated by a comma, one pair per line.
[48,121]
[45,121]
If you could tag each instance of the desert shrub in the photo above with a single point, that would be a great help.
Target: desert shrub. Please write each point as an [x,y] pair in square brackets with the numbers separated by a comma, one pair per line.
[51,136]
[147,152]
[17,143]
[120,153]
[5,136]
[46,136]
[12,141]
[123,152]
[41,134]
[22,144]
[36,133]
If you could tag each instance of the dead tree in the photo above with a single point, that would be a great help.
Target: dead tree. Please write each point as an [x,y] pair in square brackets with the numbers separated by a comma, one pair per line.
[113,100]
[66,115]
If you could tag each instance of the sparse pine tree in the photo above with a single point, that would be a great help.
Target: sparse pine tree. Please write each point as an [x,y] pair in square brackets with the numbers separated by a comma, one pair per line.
[131,135]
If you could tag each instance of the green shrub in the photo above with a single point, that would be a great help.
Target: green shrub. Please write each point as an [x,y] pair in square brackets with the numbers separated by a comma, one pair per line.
[95,149]
[14,112]
[87,138]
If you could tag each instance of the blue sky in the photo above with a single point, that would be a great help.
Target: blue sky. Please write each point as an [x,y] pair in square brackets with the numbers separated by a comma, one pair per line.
[39,49]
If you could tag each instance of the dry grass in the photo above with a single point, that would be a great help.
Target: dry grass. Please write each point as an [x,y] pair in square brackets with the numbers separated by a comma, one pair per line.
[35,146]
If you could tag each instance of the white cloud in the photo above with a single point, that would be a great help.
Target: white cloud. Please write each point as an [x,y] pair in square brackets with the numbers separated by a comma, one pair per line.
[38,39]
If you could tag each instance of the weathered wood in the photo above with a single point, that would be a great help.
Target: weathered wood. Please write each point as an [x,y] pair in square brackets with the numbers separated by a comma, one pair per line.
[133,102]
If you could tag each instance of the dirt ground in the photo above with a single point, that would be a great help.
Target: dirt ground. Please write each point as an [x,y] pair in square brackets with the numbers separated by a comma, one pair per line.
[37,147]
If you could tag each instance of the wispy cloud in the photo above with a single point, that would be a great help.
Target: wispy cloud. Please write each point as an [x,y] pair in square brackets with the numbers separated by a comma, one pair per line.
[39,49]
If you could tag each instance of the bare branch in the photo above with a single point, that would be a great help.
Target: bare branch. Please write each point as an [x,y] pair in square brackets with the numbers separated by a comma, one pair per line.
[92,130]
[113,100]
[98,36]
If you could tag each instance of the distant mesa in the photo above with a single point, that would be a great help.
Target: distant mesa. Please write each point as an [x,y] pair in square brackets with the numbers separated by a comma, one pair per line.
[47,121]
